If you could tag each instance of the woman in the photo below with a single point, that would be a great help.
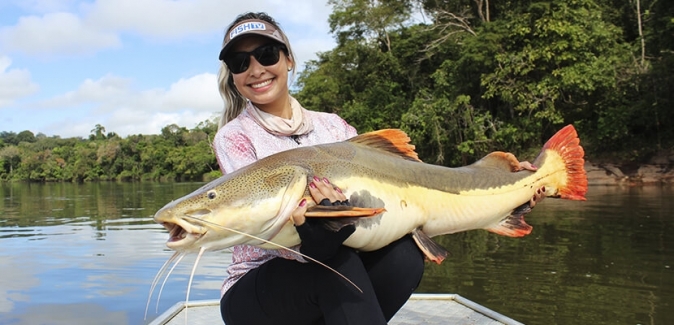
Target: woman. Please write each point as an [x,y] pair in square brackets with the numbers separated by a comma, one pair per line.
[278,286]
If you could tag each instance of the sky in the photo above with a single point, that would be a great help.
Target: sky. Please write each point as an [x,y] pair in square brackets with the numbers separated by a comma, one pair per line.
[132,66]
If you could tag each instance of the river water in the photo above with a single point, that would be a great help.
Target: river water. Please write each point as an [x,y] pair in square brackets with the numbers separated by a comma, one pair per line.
[87,253]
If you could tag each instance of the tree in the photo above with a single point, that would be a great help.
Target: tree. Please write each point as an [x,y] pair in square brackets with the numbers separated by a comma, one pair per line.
[25,136]
[368,20]
[97,133]
[12,156]
[174,134]
[372,76]
[9,137]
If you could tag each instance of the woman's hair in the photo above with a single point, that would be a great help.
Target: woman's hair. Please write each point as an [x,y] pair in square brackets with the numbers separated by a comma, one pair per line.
[234,101]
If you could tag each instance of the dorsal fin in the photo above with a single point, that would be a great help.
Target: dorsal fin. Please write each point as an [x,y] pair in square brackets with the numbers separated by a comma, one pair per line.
[390,140]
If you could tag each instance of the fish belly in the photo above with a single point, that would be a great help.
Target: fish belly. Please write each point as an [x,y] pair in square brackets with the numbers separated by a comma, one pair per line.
[435,212]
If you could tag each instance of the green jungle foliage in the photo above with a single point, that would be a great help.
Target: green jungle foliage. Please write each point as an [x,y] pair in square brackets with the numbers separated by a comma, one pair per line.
[175,154]
[482,75]
[474,77]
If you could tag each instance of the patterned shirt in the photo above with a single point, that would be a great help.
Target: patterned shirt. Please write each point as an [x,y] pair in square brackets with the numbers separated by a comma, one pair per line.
[243,141]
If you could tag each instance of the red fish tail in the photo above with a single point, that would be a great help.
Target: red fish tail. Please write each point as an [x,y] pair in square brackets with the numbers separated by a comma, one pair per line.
[567,144]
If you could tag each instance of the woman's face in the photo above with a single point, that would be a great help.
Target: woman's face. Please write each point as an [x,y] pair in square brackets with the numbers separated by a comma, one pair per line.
[265,86]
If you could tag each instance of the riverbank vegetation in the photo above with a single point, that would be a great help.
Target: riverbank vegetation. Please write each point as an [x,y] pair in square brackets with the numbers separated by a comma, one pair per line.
[475,76]
[175,154]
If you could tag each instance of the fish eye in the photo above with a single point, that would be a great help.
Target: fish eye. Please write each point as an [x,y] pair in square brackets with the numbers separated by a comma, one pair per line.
[211,194]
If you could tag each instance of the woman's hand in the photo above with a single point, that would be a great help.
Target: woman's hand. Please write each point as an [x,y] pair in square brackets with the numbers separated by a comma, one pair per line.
[538,197]
[525,165]
[317,241]
[321,190]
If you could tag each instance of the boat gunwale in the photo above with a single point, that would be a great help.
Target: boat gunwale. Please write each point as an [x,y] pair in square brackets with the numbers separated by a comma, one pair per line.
[174,310]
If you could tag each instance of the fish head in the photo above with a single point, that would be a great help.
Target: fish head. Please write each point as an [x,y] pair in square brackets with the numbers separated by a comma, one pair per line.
[250,206]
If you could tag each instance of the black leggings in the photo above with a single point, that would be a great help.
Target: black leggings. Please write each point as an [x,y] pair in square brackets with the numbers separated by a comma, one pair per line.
[283,291]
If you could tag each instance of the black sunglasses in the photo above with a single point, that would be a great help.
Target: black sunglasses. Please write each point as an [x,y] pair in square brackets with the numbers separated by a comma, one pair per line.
[266,55]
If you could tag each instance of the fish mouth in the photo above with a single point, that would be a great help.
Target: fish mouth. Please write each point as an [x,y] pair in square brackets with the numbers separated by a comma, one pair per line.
[182,233]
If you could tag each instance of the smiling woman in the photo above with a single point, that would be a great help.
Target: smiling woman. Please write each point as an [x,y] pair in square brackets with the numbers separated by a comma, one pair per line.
[260,119]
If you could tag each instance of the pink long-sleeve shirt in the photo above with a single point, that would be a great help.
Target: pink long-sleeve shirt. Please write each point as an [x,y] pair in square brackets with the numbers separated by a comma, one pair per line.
[243,141]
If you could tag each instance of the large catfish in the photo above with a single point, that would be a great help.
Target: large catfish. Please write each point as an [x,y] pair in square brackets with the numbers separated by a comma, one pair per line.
[378,171]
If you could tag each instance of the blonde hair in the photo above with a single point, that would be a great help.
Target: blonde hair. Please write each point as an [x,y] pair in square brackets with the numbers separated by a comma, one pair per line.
[235,103]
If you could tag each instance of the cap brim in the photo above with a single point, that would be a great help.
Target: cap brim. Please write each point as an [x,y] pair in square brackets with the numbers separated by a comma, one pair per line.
[224,50]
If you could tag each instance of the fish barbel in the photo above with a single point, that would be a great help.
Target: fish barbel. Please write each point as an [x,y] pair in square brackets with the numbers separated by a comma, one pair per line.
[392,191]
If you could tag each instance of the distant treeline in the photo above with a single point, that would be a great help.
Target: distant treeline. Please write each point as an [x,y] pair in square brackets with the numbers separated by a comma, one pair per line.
[477,76]
[175,154]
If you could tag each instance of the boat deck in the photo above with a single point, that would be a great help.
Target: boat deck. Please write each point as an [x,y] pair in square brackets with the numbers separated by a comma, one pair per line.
[430,309]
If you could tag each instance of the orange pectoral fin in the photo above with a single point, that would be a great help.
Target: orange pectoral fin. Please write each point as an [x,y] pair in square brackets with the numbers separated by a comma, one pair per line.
[432,250]
[340,211]
[513,225]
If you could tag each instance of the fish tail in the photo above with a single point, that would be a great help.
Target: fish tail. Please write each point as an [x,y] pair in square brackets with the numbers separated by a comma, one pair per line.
[566,144]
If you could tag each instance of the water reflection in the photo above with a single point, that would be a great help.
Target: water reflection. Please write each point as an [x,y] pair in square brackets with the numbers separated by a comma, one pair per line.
[605,261]
[87,253]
